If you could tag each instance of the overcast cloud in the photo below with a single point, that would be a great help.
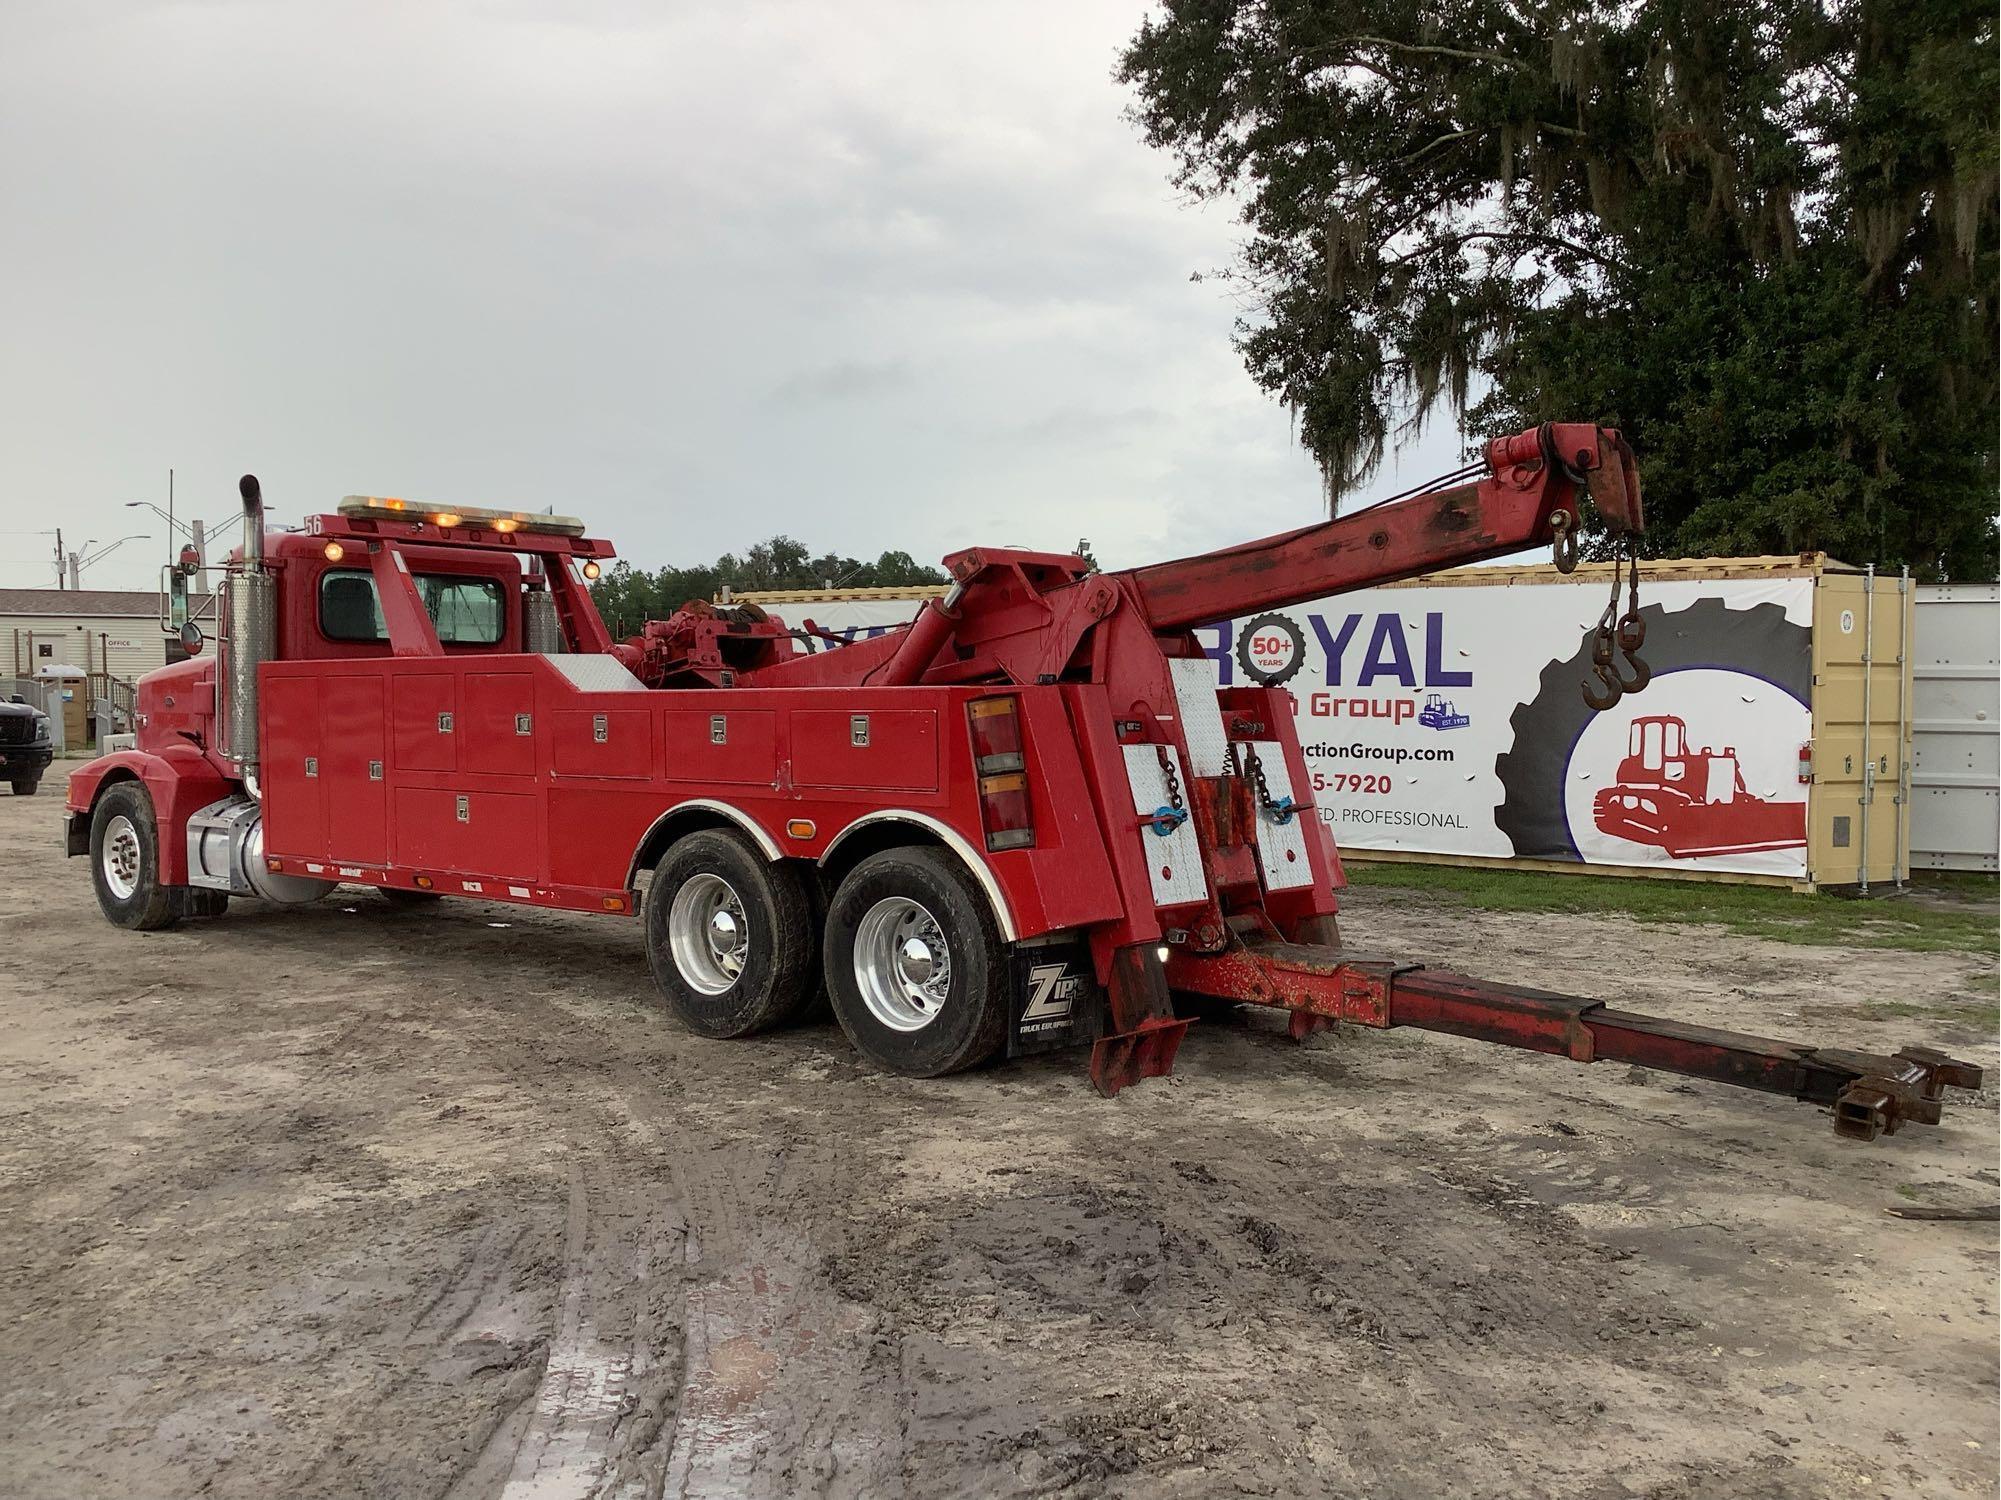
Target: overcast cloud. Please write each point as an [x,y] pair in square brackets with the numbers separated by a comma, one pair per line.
[875,275]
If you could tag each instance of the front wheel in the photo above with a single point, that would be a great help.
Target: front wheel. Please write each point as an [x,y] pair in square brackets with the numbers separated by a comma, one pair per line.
[125,861]
[915,967]
[729,936]
[26,786]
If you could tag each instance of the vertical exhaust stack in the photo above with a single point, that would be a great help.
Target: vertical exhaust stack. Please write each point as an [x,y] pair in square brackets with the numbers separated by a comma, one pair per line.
[541,630]
[249,638]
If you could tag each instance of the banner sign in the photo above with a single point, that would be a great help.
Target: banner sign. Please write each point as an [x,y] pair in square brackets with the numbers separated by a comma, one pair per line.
[1451,720]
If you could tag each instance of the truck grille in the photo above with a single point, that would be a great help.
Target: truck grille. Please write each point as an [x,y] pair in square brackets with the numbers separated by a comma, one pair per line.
[16,729]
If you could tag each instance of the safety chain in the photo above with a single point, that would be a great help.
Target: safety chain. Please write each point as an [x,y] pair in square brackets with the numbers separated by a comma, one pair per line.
[1627,632]
[1279,810]
[1172,813]
[1172,778]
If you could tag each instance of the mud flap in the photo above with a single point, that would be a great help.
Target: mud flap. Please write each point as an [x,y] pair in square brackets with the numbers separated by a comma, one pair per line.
[1056,1000]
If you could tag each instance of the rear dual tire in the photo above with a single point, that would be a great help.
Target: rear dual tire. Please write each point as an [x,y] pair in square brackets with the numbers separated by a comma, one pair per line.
[909,953]
[915,966]
[729,936]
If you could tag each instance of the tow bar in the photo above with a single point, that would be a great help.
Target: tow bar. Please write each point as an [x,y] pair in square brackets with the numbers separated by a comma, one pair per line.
[1870,1094]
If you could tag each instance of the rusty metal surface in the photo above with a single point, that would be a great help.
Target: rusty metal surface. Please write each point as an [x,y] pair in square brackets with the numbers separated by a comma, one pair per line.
[1870,1095]
[1132,1055]
[1331,982]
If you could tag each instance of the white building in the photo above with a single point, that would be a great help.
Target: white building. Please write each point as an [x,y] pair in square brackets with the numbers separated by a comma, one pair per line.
[106,632]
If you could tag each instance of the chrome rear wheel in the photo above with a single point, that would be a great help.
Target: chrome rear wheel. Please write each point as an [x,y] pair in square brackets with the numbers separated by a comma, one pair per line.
[708,933]
[903,964]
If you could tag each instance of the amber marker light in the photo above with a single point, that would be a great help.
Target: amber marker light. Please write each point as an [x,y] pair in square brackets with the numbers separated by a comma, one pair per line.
[335,552]
[446,518]
[800,828]
[591,569]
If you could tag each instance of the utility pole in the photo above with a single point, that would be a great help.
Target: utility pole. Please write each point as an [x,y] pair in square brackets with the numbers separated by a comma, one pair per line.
[75,572]
[59,557]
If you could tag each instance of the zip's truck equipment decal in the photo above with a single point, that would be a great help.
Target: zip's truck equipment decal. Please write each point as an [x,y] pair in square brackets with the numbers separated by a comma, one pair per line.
[1028,819]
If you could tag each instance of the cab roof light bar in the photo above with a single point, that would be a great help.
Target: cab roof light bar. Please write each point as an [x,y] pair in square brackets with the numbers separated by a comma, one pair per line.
[388,508]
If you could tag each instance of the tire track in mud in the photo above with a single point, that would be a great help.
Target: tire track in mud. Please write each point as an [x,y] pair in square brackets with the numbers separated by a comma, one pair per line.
[758,1384]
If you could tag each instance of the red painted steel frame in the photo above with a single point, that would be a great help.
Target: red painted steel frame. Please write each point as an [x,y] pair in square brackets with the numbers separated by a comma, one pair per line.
[1870,1094]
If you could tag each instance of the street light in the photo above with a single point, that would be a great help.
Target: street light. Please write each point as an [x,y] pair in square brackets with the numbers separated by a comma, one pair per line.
[78,561]
[196,532]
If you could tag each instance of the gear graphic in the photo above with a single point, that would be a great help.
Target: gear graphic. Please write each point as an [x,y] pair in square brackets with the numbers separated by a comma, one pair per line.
[1249,633]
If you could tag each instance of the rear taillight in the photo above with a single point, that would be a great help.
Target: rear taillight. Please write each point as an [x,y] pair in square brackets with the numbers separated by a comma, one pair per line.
[998,763]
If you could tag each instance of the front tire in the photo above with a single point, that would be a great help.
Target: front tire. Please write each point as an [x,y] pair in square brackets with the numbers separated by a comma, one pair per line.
[729,936]
[125,861]
[26,786]
[915,966]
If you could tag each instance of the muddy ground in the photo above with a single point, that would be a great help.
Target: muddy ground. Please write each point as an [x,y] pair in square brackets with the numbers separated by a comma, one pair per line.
[353,1201]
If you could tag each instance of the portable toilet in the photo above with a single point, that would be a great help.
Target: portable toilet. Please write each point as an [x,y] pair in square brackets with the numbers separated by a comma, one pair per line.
[70,687]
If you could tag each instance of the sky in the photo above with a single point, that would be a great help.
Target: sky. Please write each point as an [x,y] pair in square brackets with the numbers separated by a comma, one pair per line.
[871,275]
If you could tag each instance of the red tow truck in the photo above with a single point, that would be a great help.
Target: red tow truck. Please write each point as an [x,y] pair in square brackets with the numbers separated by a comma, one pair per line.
[1029,819]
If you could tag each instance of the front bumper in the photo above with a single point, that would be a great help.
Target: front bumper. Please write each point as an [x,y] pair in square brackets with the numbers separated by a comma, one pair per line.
[17,759]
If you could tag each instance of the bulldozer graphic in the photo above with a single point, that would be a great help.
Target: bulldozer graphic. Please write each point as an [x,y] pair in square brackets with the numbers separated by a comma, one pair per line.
[1438,713]
[1690,802]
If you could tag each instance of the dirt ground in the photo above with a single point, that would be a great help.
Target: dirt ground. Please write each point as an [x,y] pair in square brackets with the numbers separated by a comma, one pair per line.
[352,1201]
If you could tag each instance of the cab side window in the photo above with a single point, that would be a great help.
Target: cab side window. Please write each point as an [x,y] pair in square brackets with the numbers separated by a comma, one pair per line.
[466,611]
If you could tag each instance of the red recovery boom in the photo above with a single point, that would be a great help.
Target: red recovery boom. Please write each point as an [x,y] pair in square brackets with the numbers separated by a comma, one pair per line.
[1527,494]
[1019,616]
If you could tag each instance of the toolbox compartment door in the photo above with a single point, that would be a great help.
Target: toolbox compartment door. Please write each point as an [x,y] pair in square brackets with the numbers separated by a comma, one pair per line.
[610,742]
[486,834]
[894,749]
[424,715]
[295,812]
[352,731]
[499,729]
[734,745]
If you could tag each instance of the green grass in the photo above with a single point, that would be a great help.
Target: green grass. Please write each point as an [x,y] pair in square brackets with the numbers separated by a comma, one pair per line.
[1936,915]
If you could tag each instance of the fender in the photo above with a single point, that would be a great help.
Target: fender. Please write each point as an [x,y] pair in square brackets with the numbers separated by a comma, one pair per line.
[180,780]
[766,844]
[953,840]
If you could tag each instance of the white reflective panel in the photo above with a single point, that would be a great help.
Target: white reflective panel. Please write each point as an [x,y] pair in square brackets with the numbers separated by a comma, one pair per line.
[1281,846]
[1173,862]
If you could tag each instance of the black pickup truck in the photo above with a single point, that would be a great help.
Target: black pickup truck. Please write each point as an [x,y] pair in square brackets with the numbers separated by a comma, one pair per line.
[25,746]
